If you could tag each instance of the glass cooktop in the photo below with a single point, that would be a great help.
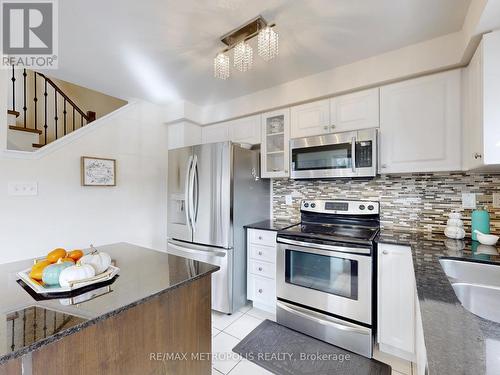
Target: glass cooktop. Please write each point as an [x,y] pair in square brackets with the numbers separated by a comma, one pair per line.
[334,232]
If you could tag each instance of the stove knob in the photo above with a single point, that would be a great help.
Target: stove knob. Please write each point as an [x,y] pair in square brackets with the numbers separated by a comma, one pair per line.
[371,208]
[362,207]
[306,204]
[313,205]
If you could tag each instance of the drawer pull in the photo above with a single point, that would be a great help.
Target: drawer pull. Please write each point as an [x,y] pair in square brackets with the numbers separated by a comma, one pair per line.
[260,291]
[260,268]
[260,252]
[260,238]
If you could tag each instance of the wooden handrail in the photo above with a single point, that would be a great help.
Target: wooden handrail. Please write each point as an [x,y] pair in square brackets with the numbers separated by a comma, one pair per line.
[87,116]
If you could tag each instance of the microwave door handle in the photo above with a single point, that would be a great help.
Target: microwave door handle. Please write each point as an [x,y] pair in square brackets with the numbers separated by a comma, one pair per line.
[187,188]
[353,153]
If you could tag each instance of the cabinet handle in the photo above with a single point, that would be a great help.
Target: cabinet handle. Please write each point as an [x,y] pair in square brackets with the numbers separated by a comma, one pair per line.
[333,126]
[260,291]
[326,127]
[260,237]
[477,155]
[260,268]
[385,252]
[260,252]
[384,166]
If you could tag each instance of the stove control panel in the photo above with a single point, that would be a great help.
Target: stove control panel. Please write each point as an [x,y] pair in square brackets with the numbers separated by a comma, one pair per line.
[339,207]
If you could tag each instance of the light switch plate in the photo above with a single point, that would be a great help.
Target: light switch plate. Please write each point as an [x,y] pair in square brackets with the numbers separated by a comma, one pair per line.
[288,200]
[496,200]
[22,188]
[469,201]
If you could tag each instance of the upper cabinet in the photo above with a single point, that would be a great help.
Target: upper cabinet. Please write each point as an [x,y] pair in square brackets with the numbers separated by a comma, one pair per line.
[481,79]
[359,110]
[420,124]
[275,147]
[310,119]
[245,130]
[183,134]
[215,133]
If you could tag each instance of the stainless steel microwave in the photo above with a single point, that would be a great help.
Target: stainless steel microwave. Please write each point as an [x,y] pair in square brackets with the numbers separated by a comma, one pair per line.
[347,154]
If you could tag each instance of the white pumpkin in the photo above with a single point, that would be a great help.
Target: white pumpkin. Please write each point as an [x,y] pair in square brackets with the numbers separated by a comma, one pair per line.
[75,273]
[99,260]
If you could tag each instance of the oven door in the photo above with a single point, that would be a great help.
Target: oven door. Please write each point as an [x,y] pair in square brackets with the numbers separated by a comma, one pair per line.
[336,282]
[349,154]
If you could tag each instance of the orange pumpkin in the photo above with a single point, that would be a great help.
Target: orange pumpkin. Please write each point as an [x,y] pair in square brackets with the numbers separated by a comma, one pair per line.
[37,269]
[67,259]
[75,254]
[55,255]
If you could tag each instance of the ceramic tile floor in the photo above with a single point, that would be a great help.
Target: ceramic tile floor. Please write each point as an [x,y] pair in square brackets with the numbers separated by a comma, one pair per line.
[229,330]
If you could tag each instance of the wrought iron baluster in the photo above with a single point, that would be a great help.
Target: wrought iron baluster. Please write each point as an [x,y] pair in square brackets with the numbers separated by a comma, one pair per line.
[34,324]
[35,99]
[81,120]
[45,124]
[55,110]
[25,109]
[64,113]
[44,323]
[24,327]
[13,79]
[73,118]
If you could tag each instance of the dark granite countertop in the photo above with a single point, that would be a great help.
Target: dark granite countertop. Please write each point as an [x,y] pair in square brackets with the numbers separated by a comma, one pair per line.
[144,274]
[270,225]
[457,341]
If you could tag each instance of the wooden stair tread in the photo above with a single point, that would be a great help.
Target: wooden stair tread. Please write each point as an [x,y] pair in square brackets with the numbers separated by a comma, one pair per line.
[38,145]
[11,112]
[20,128]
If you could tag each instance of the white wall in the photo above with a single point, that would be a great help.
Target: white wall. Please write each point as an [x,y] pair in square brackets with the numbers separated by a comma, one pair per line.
[65,214]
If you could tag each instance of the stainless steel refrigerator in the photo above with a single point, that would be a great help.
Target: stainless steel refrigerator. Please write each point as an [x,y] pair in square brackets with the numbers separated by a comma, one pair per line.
[213,191]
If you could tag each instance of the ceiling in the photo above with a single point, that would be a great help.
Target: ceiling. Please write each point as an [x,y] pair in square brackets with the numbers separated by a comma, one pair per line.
[162,50]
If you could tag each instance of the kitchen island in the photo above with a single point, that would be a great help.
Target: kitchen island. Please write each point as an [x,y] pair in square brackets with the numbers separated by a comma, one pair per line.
[154,318]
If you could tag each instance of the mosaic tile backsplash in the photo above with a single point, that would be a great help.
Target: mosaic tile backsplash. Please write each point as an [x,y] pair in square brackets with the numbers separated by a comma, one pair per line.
[416,202]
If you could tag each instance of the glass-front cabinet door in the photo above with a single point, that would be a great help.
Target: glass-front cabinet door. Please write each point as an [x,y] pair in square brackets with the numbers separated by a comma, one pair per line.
[275,144]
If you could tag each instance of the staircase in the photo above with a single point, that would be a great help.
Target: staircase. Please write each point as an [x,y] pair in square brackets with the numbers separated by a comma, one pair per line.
[40,112]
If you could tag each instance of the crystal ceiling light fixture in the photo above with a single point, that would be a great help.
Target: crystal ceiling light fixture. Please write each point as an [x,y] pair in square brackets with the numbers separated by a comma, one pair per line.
[237,40]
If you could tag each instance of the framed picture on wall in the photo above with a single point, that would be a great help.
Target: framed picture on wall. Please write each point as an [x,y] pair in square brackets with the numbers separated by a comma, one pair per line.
[98,171]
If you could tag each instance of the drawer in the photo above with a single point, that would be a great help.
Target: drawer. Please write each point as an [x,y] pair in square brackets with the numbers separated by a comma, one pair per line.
[265,253]
[262,290]
[262,269]
[262,237]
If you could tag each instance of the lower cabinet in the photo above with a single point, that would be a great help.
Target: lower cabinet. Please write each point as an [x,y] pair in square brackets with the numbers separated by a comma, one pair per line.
[397,303]
[261,269]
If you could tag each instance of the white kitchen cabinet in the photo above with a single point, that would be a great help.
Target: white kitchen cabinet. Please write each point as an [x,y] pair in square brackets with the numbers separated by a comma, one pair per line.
[420,124]
[310,119]
[481,141]
[275,146]
[261,269]
[183,134]
[396,305]
[245,130]
[215,133]
[359,110]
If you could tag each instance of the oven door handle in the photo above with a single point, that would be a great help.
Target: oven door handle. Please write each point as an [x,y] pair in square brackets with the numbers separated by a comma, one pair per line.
[323,319]
[324,247]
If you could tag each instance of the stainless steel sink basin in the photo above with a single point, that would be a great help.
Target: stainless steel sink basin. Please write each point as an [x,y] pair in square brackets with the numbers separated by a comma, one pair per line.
[476,285]
[462,271]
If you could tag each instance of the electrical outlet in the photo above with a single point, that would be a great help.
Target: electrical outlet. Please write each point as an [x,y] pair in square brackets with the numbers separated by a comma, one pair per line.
[469,201]
[496,200]
[23,188]
[288,200]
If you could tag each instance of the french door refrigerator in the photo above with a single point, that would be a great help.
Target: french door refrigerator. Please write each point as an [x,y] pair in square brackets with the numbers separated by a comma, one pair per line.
[213,191]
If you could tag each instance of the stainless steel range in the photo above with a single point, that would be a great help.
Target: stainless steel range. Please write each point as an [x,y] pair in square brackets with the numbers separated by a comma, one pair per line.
[325,273]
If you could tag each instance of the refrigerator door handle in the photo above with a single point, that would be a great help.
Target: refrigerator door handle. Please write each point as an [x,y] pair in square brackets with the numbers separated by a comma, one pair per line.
[196,189]
[187,188]
[191,207]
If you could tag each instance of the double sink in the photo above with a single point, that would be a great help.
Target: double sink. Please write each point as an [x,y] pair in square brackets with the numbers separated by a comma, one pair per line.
[476,285]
